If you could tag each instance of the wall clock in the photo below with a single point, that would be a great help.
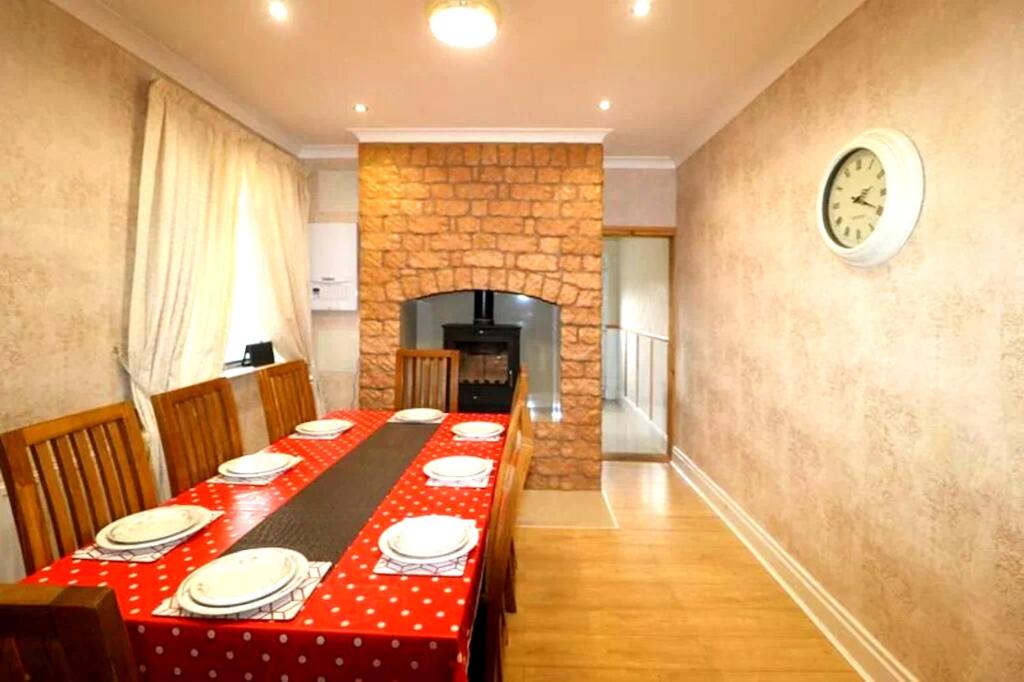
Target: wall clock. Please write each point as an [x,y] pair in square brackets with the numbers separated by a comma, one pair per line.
[871,196]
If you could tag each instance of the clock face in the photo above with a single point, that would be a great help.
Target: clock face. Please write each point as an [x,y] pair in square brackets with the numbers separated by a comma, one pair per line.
[855,198]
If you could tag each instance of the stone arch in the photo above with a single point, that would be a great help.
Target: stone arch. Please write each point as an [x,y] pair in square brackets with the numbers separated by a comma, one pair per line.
[428,293]
[517,218]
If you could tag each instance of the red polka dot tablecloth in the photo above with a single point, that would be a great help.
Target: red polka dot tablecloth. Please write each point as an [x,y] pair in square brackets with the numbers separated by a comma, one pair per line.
[356,626]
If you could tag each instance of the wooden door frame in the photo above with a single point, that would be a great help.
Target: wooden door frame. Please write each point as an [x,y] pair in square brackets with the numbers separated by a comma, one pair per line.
[670,399]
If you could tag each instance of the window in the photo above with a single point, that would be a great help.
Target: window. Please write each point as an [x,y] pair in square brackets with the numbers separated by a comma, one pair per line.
[246,320]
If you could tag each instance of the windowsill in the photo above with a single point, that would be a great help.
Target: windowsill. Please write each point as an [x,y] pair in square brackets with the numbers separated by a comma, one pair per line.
[234,371]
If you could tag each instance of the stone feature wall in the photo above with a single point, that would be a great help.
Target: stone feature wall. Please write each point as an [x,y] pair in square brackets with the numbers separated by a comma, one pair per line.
[519,218]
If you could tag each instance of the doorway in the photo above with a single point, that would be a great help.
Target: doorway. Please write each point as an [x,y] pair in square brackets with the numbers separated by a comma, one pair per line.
[636,344]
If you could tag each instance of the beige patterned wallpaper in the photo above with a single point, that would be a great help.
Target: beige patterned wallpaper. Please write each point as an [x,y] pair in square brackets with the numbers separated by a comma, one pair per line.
[639,197]
[74,107]
[72,115]
[72,120]
[72,111]
[873,420]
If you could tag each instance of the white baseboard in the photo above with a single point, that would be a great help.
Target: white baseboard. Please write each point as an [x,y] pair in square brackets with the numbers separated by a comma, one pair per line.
[628,402]
[865,653]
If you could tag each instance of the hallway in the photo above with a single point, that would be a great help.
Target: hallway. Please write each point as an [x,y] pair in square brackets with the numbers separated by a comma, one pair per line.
[671,595]
[635,347]
[625,432]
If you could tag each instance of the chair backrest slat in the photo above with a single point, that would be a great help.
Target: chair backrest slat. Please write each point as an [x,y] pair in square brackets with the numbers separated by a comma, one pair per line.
[217,418]
[122,462]
[109,475]
[427,378]
[63,633]
[87,464]
[70,476]
[287,396]
[53,491]
[199,430]
[426,375]
[75,489]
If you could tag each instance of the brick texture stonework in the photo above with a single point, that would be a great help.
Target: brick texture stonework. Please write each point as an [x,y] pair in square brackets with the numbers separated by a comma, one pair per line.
[519,218]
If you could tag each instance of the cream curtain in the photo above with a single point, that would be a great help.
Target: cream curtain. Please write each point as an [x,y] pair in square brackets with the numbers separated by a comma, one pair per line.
[195,163]
[279,210]
[188,200]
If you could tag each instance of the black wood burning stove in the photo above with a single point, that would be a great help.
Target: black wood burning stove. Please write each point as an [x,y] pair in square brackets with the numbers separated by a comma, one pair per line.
[488,358]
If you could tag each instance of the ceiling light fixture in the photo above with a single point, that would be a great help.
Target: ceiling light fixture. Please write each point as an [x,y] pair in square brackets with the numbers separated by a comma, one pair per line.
[278,10]
[360,108]
[604,105]
[463,23]
[641,8]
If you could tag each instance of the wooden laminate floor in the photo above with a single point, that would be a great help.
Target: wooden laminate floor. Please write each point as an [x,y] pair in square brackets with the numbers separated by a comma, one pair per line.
[671,595]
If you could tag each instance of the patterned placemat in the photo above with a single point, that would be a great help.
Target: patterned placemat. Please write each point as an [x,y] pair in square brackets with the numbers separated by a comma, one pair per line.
[478,482]
[145,555]
[446,569]
[255,480]
[306,436]
[285,608]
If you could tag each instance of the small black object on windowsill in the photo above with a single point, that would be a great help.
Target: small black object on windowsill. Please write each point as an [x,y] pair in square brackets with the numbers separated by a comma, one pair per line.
[258,354]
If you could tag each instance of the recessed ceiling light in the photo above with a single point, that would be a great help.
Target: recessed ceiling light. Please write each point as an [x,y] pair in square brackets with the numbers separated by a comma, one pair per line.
[604,105]
[641,8]
[361,108]
[278,10]
[463,23]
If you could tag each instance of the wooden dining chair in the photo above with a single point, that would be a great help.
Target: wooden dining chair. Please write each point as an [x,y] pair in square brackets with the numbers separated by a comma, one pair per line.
[521,463]
[523,429]
[489,632]
[287,396]
[427,378]
[199,430]
[66,634]
[522,387]
[497,560]
[69,477]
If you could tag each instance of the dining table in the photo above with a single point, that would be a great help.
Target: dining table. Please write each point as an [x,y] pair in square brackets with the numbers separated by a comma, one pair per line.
[333,507]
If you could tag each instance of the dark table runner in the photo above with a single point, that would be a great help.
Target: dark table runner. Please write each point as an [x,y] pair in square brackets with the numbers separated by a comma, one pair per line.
[323,519]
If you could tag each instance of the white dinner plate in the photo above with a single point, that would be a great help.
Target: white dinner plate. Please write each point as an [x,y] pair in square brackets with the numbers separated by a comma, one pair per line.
[419,414]
[477,429]
[458,466]
[103,540]
[323,427]
[256,464]
[390,552]
[429,536]
[244,576]
[153,526]
[188,603]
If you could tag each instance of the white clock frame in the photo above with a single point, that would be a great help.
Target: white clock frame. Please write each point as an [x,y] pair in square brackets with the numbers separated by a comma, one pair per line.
[904,176]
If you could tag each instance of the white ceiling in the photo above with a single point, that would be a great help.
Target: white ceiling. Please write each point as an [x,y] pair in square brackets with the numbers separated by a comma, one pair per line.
[675,77]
